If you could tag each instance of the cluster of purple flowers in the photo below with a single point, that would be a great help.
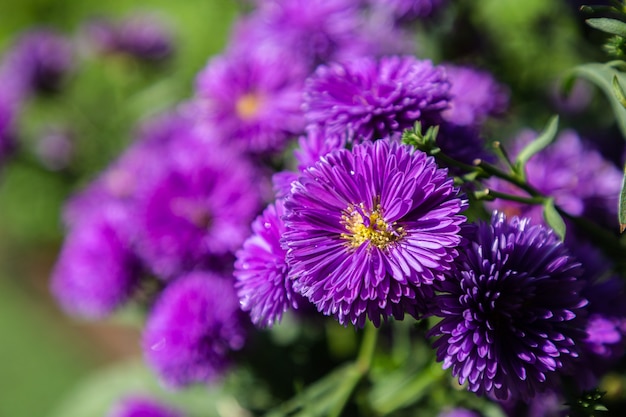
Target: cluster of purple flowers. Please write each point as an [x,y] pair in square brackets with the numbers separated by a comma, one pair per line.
[366,229]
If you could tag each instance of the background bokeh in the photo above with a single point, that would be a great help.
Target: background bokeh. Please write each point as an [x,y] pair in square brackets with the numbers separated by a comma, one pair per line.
[43,353]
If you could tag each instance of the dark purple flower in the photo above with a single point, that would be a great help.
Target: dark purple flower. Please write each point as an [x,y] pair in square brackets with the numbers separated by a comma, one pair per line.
[200,205]
[475,95]
[368,99]
[194,327]
[141,36]
[261,270]
[38,61]
[407,10]
[253,100]
[96,271]
[369,229]
[580,180]
[511,310]
[142,406]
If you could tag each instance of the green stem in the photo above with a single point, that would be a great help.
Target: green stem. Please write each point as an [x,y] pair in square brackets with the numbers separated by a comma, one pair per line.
[359,369]
[413,390]
[496,172]
[512,197]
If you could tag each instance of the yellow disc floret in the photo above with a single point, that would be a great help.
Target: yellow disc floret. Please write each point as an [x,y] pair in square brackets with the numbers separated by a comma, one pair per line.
[364,226]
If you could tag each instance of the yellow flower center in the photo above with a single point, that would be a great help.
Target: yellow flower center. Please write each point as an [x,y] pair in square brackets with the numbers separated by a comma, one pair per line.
[248,105]
[363,226]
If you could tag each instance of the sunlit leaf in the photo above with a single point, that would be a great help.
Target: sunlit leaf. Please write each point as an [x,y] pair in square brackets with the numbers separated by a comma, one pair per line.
[544,139]
[612,26]
[553,218]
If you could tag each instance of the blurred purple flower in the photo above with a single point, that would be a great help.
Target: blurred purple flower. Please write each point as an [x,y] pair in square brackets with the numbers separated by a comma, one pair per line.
[316,30]
[96,271]
[261,270]
[369,229]
[580,180]
[475,95]
[511,310]
[141,36]
[199,206]
[368,99]
[38,61]
[407,10]
[192,330]
[253,99]
[142,406]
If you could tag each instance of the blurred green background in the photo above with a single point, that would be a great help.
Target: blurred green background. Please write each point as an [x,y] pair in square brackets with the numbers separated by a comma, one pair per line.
[43,353]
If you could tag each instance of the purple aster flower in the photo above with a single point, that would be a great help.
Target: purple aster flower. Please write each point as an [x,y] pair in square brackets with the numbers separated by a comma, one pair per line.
[369,229]
[368,99]
[142,406]
[261,270]
[580,180]
[194,327]
[38,61]
[315,144]
[252,99]
[96,271]
[475,95]
[407,10]
[199,206]
[511,310]
[141,36]
[316,30]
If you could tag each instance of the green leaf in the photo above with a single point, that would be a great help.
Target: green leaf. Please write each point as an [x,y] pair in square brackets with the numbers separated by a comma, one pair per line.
[544,139]
[612,26]
[603,75]
[619,92]
[553,218]
[622,205]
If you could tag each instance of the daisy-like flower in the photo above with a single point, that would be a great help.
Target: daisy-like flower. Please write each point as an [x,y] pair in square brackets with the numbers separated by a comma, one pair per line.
[369,229]
[142,406]
[252,98]
[261,270]
[511,310]
[368,99]
[194,327]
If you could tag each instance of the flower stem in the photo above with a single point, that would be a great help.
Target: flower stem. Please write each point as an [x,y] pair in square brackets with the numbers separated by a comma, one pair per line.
[359,369]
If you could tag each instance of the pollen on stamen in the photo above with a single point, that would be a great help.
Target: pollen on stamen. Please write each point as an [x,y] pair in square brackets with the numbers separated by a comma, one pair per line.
[365,226]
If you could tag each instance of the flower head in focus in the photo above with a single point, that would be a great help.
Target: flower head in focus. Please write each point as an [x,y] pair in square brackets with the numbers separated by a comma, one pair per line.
[511,310]
[369,229]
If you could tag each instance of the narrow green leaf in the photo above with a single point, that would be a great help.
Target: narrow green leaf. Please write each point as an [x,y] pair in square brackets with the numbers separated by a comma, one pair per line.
[622,205]
[544,139]
[553,218]
[602,75]
[605,24]
[619,92]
